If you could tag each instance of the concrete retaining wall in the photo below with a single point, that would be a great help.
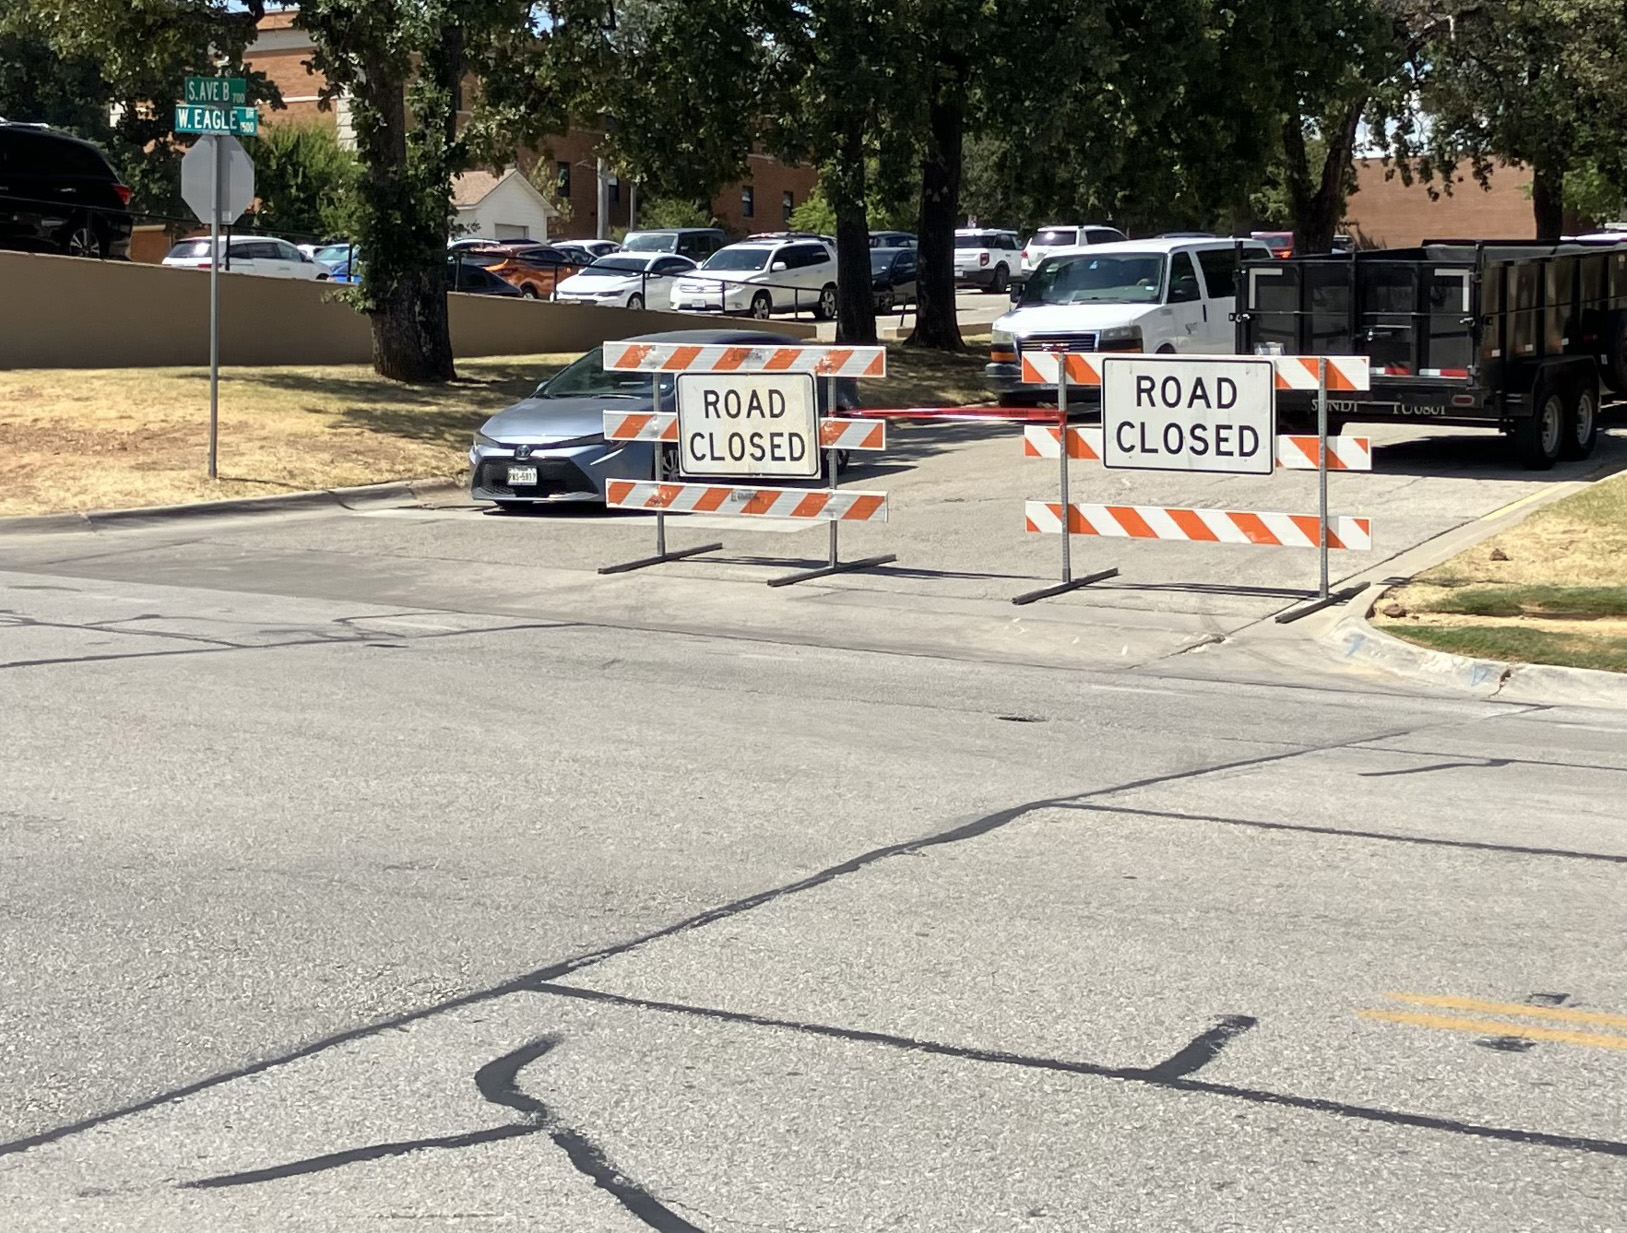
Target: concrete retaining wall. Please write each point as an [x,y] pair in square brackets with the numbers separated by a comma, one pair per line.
[70,312]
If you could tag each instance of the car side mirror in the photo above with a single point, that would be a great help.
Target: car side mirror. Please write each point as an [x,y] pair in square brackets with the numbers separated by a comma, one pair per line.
[777,267]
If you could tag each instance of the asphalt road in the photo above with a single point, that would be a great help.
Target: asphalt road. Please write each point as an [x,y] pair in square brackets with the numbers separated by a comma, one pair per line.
[392,869]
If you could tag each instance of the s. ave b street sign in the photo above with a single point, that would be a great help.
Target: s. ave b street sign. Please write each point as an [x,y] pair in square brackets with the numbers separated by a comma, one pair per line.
[1169,413]
[747,424]
[217,91]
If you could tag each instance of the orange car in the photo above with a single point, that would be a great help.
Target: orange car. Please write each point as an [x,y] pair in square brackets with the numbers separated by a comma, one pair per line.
[536,269]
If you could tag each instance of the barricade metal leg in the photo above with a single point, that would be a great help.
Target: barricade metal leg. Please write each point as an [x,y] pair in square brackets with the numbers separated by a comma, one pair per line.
[1323,598]
[661,554]
[834,564]
[1069,582]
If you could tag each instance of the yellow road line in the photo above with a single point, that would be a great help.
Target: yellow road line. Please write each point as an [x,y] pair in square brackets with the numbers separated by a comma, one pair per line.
[1497,1027]
[1514,505]
[1566,1014]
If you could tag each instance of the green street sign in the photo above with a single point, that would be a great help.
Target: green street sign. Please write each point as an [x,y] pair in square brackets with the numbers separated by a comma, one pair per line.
[244,121]
[216,91]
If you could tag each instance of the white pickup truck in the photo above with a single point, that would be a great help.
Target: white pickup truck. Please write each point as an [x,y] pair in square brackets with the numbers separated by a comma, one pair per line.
[1156,296]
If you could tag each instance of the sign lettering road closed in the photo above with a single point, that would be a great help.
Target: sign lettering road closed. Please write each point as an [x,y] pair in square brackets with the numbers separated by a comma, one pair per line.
[1169,413]
[747,424]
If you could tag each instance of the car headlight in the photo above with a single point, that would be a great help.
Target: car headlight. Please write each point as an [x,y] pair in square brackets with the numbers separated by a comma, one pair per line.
[1120,333]
[1001,339]
[482,439]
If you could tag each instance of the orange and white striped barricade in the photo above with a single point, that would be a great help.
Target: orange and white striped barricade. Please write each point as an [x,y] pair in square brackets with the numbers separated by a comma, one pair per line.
[1168,394]
[728,388]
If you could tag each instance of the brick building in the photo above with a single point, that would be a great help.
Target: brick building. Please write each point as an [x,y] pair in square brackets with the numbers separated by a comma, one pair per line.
[1385,213]
[762,203]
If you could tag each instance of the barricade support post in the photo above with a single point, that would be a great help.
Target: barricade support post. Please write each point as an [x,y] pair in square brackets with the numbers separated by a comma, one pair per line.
[1069,582]
[662,556]
[833,564]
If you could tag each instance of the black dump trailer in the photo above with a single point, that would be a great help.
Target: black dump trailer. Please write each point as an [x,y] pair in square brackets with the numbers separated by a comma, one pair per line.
[1509,334]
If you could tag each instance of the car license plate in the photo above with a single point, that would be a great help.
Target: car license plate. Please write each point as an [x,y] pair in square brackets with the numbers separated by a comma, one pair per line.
[522,475]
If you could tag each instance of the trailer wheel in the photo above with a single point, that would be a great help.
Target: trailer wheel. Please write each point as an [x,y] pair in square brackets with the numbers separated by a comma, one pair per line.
[1581,422]
[1538,437]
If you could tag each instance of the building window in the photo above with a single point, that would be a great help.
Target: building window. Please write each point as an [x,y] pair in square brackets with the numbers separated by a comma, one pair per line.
[562,178]
[613,190]
[748,202]
[787,204]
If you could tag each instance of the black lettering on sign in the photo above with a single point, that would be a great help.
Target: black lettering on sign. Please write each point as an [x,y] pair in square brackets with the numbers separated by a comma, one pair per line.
[1200,439]
[799,447]
[709,409]
[737,447]
[1200,393]
[1144,392]
[1226,388]
[1174,438]
[758,451]
[1223,433]
[776,404]
[695,449]
[1248,442]
[1147,447]
[1170,391]
[1125,426]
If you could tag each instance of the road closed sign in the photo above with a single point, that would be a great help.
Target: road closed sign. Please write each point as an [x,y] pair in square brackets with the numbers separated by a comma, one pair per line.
[750,424]
[1179,413]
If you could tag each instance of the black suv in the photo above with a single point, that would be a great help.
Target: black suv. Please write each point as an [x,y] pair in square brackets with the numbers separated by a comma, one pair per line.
[59,194]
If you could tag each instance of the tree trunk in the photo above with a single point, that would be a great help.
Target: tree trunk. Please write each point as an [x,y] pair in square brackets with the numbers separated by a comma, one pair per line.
[936,324]
[1319,210]
[1548,200]
[844,182]
[404,277]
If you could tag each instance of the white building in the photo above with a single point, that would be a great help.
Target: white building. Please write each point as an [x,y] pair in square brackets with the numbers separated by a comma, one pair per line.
[500,207]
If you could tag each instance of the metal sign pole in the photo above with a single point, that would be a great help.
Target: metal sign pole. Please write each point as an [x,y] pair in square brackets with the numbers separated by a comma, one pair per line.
[660,472]
[1322,467]
[214,307]
[1068,583]
[834,564]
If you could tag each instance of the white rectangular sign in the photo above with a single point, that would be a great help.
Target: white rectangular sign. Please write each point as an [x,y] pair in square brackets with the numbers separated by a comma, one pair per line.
[1197,413]
[747,424]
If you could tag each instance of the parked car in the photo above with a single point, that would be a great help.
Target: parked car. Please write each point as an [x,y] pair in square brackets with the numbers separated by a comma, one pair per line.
[892,275]
[599,248]
[696,243]
[476,280]
[579,253]
[987,258]
[249,254]
[625,280]
[1157,296]
[536,269]
[1048,240]
[336,253]
[761,279]
[551,446]
[892,239]
[60,194]
[1281,243]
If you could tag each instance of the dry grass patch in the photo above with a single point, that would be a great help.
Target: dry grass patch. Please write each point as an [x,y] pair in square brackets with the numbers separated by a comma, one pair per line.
[84,439]
[1551,590]
[110,438]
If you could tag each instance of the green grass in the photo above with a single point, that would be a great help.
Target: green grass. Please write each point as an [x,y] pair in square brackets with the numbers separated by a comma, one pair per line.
[1538,601]
[1519,645]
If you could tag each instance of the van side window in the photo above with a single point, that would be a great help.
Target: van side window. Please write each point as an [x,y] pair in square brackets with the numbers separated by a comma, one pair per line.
[1183,279]
[1219,272]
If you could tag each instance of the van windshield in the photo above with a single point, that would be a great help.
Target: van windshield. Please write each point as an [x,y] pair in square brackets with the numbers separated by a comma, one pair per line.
[651,242]
[1056,237]
[1123,278]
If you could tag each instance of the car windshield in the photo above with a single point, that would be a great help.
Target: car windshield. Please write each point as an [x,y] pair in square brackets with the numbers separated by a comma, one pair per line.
[587,378]
[190,248]
[618,265]
[333,253]
[881,262]
[653,242]
[1056,237]
[984,240]
[1125,278]
[737,259]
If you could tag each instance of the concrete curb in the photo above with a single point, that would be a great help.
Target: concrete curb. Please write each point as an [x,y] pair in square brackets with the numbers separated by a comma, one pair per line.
[396,492]
[1358,642]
